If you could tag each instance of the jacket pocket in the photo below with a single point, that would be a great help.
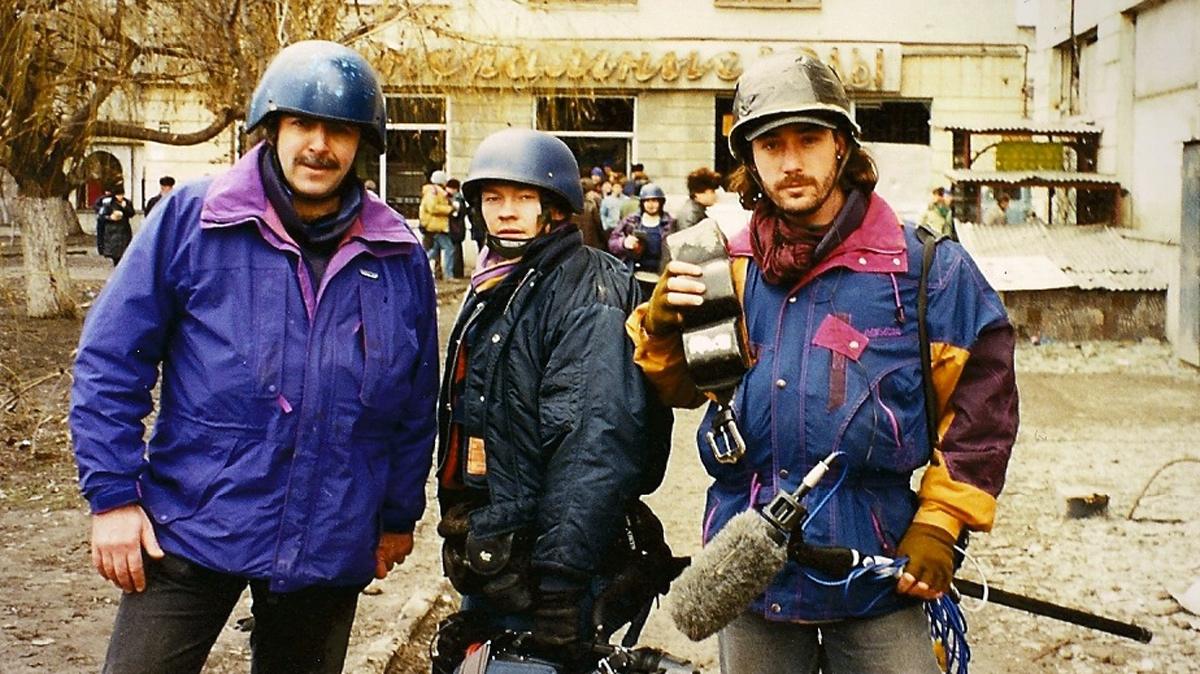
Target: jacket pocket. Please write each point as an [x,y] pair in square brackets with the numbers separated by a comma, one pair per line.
[884,423]
[238,353]
[389,348]
[182,467]
[846,346]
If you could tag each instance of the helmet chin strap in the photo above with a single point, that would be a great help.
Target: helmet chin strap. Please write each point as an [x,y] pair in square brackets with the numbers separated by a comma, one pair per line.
[509,248]
[512,247]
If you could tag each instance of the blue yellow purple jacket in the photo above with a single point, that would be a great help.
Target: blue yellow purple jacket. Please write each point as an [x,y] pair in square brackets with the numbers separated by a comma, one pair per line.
[836,367]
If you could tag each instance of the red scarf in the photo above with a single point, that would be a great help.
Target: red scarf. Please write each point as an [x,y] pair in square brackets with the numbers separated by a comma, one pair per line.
[783,251]
[786,252]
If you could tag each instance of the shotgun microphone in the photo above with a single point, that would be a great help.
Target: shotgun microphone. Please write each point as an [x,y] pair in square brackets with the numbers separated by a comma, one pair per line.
[739,563]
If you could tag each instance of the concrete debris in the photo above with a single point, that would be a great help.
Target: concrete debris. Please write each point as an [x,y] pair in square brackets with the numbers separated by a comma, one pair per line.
[1189,599]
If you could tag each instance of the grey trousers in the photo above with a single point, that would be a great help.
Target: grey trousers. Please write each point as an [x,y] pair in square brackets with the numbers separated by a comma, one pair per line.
[896,643]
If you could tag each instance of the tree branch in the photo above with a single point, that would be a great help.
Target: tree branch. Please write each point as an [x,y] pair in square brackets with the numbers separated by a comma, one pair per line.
[133,132]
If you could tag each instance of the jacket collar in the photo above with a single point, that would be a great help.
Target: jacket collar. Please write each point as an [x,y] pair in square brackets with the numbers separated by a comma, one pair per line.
[237,196]
[876,246]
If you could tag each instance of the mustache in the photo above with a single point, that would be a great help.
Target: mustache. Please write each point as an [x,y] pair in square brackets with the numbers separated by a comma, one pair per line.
[798,181]
[315,161]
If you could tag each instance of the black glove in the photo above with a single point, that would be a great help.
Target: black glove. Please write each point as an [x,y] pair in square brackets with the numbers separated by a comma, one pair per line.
[556,624]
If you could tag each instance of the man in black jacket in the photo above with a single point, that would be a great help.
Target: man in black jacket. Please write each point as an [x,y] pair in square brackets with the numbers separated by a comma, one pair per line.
[116,212]
[546,432]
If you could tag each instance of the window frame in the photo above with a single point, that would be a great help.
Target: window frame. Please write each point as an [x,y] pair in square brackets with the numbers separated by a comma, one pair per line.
[630,136]
[443,127]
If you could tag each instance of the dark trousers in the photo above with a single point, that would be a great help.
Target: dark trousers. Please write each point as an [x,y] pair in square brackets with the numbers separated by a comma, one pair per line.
[172,625]
[458,272]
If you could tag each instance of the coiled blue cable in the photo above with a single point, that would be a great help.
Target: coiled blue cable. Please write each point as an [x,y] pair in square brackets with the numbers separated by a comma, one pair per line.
[948,625]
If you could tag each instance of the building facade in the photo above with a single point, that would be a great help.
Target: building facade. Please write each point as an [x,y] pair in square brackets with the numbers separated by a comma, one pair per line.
[1132,68]
[651,82]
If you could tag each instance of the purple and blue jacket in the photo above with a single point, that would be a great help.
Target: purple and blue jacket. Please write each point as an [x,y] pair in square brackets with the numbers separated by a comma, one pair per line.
[837,367]
[295,423]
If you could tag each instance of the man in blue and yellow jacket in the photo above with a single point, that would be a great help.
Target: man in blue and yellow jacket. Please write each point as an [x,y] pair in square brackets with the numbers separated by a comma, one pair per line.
[827,279]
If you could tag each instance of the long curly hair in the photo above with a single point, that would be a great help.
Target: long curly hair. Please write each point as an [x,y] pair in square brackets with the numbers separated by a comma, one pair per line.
[859,174]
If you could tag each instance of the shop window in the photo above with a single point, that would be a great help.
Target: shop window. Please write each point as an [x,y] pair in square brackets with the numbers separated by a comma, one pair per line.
[416,147]
[893,121]
[599,130]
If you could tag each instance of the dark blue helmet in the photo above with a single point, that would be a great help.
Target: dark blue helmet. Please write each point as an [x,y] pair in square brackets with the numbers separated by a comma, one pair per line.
[325,80]
[527,157]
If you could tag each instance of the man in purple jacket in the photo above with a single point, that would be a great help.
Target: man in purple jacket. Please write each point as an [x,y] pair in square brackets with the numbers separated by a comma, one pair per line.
[293,317]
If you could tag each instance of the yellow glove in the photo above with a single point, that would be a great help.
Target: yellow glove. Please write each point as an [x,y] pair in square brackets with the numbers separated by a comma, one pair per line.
[930,552]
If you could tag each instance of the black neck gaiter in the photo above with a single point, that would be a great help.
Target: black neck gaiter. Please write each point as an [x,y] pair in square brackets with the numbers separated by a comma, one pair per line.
[319,238]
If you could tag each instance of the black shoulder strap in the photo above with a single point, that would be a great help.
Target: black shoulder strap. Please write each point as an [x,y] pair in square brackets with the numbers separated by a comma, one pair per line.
[929,241]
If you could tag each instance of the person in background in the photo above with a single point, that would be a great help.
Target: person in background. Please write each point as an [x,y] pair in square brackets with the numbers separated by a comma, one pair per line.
[458,225]
[827,279]
[937,217]
[96,206]
[291,315]
[165,185]
[702,187]
[638,241]
[610,205]
[633,206]
[116,212]
[997,213]
[434,212]
[370,186]
[588,220]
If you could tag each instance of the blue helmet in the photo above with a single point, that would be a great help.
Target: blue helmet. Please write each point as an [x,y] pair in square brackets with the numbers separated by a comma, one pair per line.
[527,157]
[651,191]
[325,80]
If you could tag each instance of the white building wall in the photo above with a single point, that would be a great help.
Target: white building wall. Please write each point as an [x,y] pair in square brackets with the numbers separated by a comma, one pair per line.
[932,21]
[474,116]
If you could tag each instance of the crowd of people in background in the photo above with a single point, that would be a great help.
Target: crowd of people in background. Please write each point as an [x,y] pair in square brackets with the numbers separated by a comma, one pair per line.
[619,216]
[622,214]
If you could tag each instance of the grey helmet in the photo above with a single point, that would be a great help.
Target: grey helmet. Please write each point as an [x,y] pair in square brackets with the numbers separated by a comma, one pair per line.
[527,157]
[785,89]
[324,80]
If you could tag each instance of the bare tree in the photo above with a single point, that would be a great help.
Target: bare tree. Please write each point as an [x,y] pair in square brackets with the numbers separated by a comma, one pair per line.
[71,69]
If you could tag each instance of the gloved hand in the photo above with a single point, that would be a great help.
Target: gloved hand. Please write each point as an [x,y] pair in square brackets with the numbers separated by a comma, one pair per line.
[930,552]
[663,317]
[556,624]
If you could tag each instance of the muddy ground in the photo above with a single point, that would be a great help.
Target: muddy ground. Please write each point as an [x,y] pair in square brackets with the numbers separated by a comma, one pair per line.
[1095,417]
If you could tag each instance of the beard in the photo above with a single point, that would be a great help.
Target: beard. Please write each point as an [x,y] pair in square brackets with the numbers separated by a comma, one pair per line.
[817,192]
